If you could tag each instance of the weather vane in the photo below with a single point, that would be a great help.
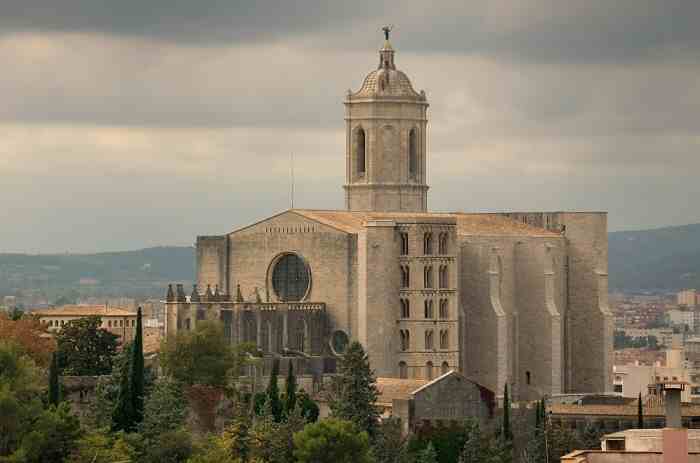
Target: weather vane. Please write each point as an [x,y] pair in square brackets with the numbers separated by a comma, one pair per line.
[386,30]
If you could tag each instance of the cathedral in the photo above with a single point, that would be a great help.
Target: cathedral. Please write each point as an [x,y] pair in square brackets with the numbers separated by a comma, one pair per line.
[517,298]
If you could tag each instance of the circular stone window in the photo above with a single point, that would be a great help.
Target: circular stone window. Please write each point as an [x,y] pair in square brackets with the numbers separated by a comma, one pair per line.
[290,278]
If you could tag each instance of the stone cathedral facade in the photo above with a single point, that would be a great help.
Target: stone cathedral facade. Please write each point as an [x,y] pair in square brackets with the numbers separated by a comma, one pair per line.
[517,298]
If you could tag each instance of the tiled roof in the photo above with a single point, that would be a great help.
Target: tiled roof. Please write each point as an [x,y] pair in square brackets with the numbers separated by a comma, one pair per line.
[687,409]
[395,388]
[84,311]
[467,224]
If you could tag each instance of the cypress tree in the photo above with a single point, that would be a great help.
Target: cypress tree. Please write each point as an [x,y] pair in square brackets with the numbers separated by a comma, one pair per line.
[640,413]
[123,415]
[507,432]
[273,393]
[54,386]
[137,367]
[290,390]
[538,415]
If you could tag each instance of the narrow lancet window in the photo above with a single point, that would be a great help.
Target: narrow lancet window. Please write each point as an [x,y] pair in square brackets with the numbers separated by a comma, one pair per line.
[413,153]
[360,150]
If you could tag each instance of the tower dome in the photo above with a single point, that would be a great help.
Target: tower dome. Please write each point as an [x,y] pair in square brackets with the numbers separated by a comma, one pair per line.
[386,143]
[386,80]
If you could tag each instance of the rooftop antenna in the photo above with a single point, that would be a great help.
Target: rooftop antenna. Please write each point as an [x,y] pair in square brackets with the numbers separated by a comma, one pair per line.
[291,175]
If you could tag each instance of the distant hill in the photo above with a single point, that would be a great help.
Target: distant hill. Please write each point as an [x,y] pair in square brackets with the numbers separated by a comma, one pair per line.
[142,273]
[666,259]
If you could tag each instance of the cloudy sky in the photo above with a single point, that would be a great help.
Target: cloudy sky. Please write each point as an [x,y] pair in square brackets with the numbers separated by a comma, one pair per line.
[132,123]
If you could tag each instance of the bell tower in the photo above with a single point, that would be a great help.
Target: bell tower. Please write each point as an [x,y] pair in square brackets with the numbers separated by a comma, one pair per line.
[386,155]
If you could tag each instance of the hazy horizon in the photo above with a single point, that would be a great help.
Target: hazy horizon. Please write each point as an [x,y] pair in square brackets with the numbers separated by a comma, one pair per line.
[129,125]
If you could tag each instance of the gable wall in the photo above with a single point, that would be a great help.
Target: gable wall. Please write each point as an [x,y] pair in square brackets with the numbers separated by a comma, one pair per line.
[330,254]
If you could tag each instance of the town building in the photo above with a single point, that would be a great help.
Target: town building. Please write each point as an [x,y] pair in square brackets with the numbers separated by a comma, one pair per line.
[116,320]
[516,298]
[688,298]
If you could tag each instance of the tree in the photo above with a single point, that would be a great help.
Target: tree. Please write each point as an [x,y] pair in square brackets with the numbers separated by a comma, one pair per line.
[202,356]
[640,413]
[52,436]
[54,384]
[390,443]
[507,432]
[332,441]
[136,380]
[590,437]
[85,349]
[29,334]
[290,390]
[165,408]
[273,393]
[123,418]
[170,447]
[473,450]
[309,408]
[102,447]
[427,455]
[354,392]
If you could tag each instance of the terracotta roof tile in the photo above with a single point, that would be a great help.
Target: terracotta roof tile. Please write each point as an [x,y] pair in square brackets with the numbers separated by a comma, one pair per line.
[84,311]
[467,224]
[395,388]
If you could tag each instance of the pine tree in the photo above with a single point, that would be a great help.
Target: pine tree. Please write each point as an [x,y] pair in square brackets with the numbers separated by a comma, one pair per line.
[640,413]
[273,393]
[137,372]
[354,391]
[290,390]
[54,385]
[473,451]
[427,455]
[507,431]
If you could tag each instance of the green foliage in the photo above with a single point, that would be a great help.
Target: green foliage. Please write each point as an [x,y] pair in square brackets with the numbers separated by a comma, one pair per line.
[102,447]
[506,431]
[20,389]
[85,349]
[309,408]
[640,412]
[447,441]
[54,384]
[332,441]
[273,393]
[353,392]
[235,438]
[590,437]
[123,415]
[170,447]
[136,378]
[427,455]
[290,390]
[622,341]
[390,444]
[52,437]
[473,450]
[107,391]
[212,450]
[202,356]
[165,408]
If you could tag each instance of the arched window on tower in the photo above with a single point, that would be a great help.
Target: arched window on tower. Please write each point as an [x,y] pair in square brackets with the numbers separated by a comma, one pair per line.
[403,370]
[428,244]
[405,276]
[405,339]
[360,151]
[428,309]
[429,370]
[405,308]
[413,153]
[444,339]
[442,243]
[429,345]
[428,276]
[444,277]
[444,308]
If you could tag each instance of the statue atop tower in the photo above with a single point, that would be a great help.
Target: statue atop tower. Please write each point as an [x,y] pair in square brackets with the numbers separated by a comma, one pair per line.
[386,157]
